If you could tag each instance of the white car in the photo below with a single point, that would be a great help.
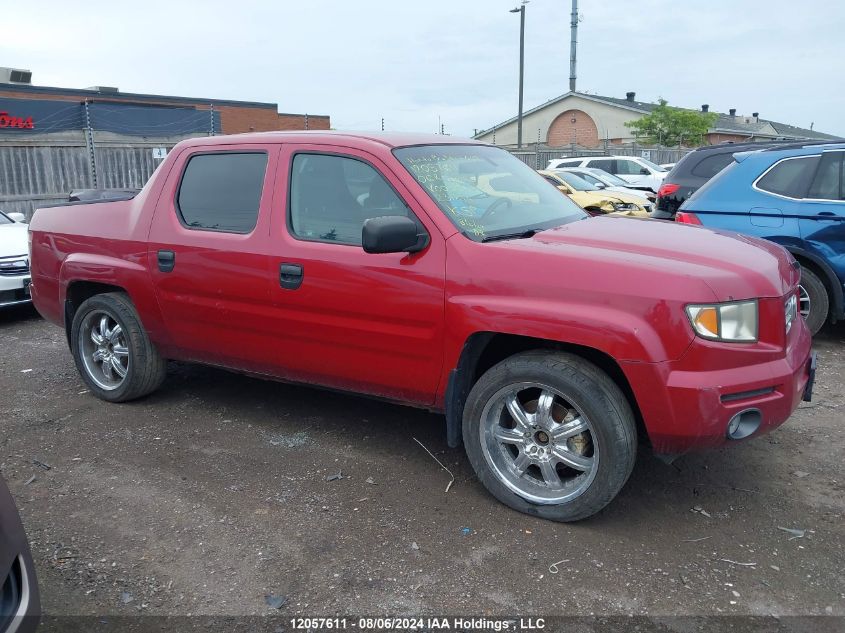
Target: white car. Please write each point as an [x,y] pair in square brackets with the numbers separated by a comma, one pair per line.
[609,182]
[632,169]
[14,260]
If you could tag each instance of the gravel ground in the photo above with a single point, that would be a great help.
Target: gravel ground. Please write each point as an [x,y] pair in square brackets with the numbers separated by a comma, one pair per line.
[218,491]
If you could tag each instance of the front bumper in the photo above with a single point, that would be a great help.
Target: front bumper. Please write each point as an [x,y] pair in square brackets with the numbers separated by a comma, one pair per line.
[14,290]
[695,406]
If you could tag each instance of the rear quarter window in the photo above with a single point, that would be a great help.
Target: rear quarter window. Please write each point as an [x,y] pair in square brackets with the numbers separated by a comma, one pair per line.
[712,165]
[789,177]
[704,189]
[222,191]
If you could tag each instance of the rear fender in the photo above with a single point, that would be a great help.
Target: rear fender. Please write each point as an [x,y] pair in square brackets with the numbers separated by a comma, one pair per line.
[131,276]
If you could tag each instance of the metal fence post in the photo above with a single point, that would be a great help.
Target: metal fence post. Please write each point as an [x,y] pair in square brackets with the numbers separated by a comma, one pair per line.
[89,141]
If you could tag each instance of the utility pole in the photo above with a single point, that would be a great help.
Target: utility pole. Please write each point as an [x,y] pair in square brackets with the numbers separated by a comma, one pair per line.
[573,45]
[521,11]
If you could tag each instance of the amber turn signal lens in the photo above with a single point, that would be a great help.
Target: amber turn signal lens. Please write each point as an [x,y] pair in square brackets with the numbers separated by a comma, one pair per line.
[707,320]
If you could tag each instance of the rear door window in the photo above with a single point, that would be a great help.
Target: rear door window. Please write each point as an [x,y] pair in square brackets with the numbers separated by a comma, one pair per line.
[712,165]
[607,164]
[790,177]
[222,191]
[628,168]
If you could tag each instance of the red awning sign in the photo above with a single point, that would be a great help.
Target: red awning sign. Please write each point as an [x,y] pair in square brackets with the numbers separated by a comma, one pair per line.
[7,120]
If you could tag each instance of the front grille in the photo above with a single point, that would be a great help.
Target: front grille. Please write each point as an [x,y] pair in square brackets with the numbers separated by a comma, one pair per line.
[14,266]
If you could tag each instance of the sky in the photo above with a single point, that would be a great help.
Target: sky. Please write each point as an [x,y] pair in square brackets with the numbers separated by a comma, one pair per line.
[455,62]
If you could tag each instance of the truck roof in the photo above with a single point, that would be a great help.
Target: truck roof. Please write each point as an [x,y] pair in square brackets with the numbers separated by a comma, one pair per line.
[354,139]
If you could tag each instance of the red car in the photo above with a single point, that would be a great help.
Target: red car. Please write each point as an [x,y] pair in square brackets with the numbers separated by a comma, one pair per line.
[374,264]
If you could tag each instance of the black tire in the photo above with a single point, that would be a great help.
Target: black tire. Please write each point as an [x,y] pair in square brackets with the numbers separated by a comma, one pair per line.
[146,369]
[591,391]
[819,300]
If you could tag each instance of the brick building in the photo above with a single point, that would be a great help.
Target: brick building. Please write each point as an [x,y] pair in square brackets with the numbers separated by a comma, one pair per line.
[590,121]
[53,140]
[235,117]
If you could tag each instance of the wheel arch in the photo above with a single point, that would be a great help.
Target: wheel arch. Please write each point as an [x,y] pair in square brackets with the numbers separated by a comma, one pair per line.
[482,350]
[79,291]
[828,277]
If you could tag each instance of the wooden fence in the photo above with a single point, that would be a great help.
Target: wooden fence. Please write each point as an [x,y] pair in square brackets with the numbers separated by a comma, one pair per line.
[34,175]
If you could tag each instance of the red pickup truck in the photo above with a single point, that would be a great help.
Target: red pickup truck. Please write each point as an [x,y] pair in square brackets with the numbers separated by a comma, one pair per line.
[375,264]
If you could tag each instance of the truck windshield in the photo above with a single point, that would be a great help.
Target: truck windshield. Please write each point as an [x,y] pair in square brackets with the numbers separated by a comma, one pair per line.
[486,192]
[4,219]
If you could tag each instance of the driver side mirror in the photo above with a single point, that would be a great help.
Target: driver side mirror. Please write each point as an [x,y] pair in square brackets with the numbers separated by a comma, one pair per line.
[392,234]
[600,185]
[644,171]
[17,217]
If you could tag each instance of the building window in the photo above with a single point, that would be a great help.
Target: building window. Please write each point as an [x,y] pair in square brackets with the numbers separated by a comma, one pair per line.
[222,191]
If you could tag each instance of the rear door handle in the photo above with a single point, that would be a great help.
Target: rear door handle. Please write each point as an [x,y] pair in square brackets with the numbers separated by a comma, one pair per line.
[166,261]
[290,276]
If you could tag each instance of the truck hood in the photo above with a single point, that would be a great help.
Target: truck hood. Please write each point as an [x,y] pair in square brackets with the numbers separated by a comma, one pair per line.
[733,266]
[14,239]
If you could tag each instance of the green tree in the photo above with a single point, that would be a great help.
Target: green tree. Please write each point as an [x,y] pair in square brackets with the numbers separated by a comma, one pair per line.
[670,126]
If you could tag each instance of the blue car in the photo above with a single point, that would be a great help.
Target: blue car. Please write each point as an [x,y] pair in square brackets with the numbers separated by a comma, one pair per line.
[794,196]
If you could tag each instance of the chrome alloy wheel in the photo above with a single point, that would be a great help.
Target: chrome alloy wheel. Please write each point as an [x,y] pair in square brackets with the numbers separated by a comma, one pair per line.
[538,443]
[804,302]
[104,350]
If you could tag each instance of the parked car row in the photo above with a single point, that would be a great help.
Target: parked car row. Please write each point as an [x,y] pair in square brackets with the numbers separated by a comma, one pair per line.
[640,173]
[595,200]
[791,194]
[603,180]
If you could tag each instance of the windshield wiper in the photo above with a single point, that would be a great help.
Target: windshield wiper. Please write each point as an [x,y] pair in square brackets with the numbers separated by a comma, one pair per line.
[512,236]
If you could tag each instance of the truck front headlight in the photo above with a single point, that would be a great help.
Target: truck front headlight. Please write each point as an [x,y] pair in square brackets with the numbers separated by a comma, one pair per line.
[734,322]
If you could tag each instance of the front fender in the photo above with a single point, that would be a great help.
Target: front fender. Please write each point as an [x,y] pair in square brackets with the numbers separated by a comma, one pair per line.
[653,334]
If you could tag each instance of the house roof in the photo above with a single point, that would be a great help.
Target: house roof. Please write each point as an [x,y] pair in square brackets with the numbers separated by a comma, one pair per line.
[725,123]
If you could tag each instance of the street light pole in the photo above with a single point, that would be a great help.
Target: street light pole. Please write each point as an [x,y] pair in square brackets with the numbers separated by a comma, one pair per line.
[521,11]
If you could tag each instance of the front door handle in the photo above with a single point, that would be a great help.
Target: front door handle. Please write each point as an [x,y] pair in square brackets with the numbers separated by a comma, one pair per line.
[290,276]
[166,261]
